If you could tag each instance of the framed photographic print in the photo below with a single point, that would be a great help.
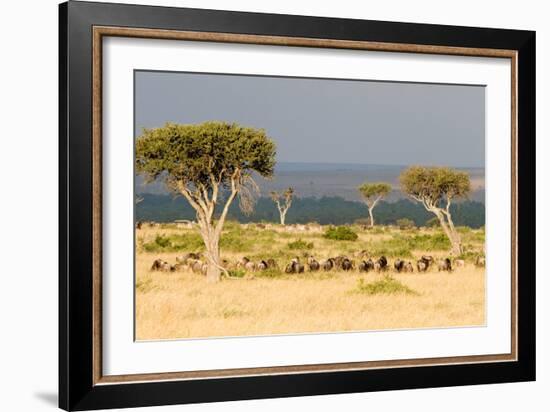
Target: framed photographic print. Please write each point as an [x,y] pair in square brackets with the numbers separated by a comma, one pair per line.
[256,205]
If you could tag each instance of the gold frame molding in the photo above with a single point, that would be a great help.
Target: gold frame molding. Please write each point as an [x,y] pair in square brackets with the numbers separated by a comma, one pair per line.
[102,31]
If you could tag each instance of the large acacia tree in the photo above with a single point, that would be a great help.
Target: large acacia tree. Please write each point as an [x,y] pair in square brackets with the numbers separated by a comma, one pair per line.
[372,193]
[283,200]
[210,164]
[436,188]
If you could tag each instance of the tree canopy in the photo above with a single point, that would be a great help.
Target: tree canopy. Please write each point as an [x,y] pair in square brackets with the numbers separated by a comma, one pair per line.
[287,195]
[200,154]
[434,185]
[369,190]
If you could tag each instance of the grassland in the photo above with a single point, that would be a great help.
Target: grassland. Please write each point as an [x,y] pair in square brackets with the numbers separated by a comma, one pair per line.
[182,304]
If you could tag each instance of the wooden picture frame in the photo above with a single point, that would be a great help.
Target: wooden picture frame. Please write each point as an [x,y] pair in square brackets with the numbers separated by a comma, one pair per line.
[82,386]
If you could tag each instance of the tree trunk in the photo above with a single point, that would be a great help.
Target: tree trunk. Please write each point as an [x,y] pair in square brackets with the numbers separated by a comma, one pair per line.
[283,217]
[211,241]
[452,234]
[213,274]
[371,217]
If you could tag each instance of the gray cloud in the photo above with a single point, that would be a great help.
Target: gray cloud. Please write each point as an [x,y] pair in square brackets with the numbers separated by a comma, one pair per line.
[322,120]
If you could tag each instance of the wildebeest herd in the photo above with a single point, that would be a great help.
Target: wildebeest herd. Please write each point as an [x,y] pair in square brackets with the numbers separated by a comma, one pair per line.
[360,262]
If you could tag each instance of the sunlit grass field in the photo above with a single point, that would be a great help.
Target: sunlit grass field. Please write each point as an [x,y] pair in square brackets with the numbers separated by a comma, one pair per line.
[181,304]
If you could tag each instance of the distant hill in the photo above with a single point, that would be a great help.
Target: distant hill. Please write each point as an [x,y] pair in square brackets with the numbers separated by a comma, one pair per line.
[333,180]
[324,210]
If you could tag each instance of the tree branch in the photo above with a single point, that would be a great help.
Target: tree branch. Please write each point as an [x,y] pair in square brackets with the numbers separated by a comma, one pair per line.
[288,203]
[235,182]
[187,194]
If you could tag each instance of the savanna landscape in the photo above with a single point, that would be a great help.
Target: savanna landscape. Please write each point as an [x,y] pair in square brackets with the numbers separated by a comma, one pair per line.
[182,304]
[278,205]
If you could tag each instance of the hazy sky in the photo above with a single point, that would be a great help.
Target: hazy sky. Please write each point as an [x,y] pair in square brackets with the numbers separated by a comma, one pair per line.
[320,120]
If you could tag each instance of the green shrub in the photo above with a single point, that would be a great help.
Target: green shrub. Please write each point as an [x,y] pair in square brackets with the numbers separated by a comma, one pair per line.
[340,233]
[188,241]
[474,236]
[405,223]
[402,245]
[394,247]
[300,245]
[386,286]
[237,273]
[235,242]
[175,243]
[438,241]
[162,241]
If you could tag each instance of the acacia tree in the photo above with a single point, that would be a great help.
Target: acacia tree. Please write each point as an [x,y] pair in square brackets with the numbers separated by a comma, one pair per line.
[372,193]
[210,164]
[279,198]
[436,188]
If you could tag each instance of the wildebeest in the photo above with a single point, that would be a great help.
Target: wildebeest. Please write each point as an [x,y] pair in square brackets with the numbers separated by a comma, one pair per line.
[347,264]
[138,225]
[444,264]
[262,265]
[480,261]
[408,267]
[272,264]
[294,266]
[180,267]
[424,263]
[187,257]
[366,266]
[428,259]
[382,263]
[250,266]
[157,264]
[327,264]
[399,265]
[242,263]
[313,264]
[199,267]
[163,266]
[338,261]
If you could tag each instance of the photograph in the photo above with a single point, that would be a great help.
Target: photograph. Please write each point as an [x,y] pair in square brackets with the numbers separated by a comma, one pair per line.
[273,205]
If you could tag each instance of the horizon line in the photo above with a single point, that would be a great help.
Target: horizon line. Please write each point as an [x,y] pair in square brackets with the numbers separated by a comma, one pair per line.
[377,164]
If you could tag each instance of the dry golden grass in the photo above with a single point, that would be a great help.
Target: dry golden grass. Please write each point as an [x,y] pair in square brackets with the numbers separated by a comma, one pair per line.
[183,305]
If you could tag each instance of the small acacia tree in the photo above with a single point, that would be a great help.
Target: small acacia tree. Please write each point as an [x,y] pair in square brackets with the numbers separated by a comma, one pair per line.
[208,164]
[372,193]
[283,200]
[436,188]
